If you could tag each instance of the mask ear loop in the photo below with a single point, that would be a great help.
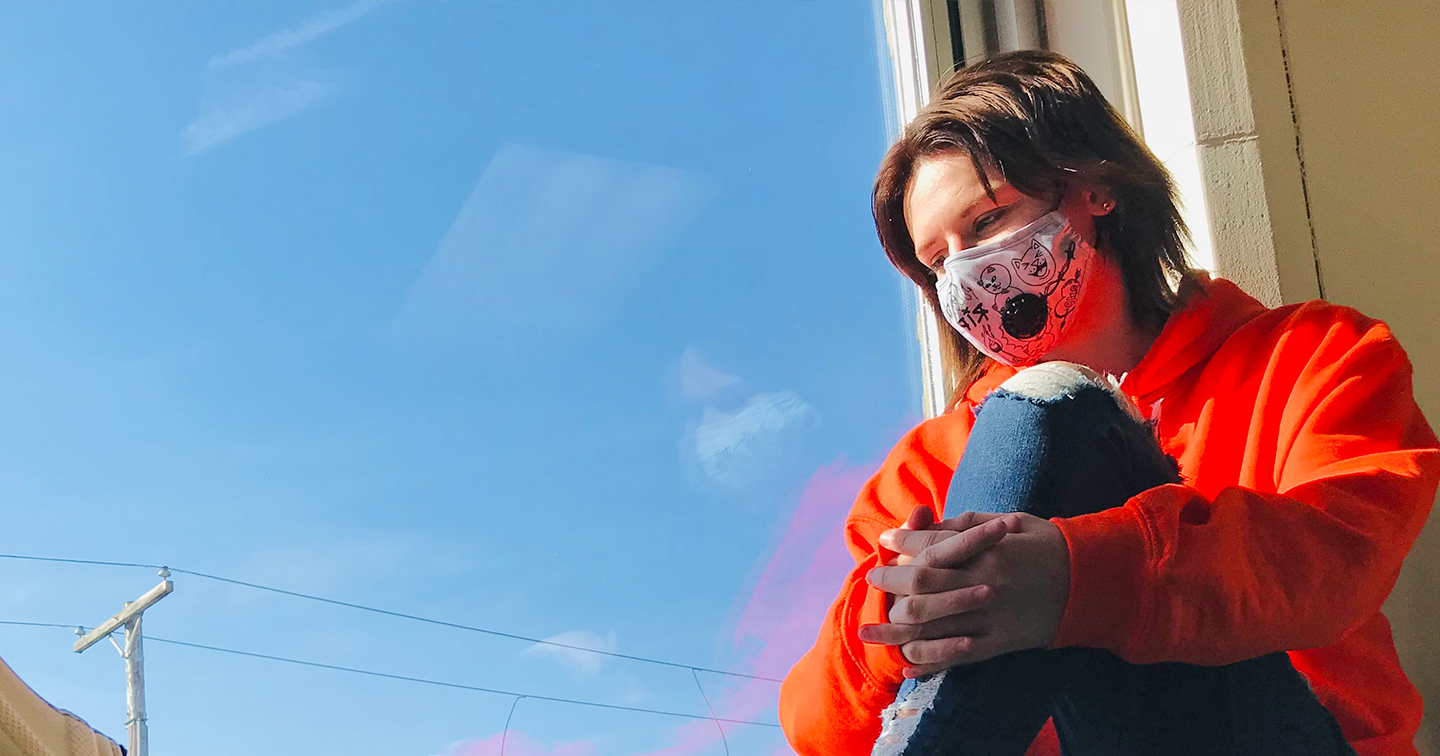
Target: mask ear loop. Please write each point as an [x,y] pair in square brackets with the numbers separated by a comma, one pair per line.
[1069,253]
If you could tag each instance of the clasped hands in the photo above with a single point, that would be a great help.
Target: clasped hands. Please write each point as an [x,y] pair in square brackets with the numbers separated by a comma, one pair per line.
[970,588]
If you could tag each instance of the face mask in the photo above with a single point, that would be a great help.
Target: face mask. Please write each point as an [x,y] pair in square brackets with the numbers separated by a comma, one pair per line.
[1014,297]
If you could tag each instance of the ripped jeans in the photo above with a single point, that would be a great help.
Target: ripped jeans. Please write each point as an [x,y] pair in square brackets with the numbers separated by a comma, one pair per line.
[1055,441]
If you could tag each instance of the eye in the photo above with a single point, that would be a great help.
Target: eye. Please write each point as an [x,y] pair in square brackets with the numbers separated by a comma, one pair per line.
[937,263]
[989,219]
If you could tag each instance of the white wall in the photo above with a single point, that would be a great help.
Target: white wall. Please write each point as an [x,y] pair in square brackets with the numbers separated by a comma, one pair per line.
[1366,84]
[1319,126]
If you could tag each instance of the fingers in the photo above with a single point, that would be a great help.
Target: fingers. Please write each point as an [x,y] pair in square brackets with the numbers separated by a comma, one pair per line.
[910,579]
[889,634]
[945,548]
[966,545]
[927,607]
[930,656]
[920,518]
[939,650]
[967,520]
[897,634]
[911,541]
[925,670]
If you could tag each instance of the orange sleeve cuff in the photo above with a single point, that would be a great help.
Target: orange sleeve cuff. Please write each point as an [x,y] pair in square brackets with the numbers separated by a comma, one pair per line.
[1109,552]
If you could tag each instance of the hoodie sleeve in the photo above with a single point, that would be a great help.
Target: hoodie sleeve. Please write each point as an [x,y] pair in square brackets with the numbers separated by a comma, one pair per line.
[830,701]
[1176,576]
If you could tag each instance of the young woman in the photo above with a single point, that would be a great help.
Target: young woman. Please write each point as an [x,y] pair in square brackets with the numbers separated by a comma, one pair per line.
[1144,607]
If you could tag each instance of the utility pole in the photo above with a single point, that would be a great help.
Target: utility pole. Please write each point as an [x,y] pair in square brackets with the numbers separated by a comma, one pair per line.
[134,655]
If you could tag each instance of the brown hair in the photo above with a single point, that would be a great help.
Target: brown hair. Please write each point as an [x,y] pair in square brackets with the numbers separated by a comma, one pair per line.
[1035,119]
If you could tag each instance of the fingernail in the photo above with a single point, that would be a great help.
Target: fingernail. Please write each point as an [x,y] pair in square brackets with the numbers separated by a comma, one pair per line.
[887,539]
[909,673]
[870,576]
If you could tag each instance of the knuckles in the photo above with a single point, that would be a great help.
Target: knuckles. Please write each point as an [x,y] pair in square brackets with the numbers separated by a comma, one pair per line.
[922,543]
[907,611]
[962,521]
[893,634]
[919,581]
[948,651]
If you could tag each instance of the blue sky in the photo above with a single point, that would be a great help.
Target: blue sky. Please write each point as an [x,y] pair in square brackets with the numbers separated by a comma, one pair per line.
[562,319]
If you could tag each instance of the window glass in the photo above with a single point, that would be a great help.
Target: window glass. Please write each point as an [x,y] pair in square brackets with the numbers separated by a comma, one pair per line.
[564,320]
[1164,94]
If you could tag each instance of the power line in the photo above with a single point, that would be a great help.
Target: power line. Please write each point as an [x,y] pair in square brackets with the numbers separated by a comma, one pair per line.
[505,734]
[443,684]
[391,613]
[469,628]
[427,681]
[724,740]
[38,624]
[81,561]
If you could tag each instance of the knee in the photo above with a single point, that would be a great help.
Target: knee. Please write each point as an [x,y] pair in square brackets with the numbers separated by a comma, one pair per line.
[1057,381]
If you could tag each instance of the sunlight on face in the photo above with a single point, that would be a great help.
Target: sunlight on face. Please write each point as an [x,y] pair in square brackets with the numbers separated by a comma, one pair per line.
[947,209]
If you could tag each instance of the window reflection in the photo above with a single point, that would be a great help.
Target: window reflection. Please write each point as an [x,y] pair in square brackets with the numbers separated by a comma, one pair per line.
[561,319]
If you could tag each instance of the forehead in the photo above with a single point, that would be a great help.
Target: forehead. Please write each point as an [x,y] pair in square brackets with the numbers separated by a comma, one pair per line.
[941,188]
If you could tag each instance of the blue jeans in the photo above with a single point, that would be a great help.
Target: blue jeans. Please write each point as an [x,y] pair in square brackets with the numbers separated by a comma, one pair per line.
[1054,442]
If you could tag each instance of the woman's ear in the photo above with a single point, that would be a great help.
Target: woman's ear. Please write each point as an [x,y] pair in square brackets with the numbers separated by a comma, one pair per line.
[1098,200]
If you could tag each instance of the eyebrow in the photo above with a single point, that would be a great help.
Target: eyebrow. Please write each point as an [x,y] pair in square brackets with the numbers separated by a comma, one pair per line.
[922,254]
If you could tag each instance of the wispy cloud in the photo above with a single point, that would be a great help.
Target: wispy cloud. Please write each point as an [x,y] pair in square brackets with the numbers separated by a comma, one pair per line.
[283,41]
[222,120]
[738,449]
[251,98]
[577,658]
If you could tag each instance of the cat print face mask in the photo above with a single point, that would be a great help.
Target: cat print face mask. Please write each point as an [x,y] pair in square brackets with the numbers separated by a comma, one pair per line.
[1014,297]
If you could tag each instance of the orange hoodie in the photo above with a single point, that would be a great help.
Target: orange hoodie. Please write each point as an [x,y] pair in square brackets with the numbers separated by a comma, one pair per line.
[1308,472]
